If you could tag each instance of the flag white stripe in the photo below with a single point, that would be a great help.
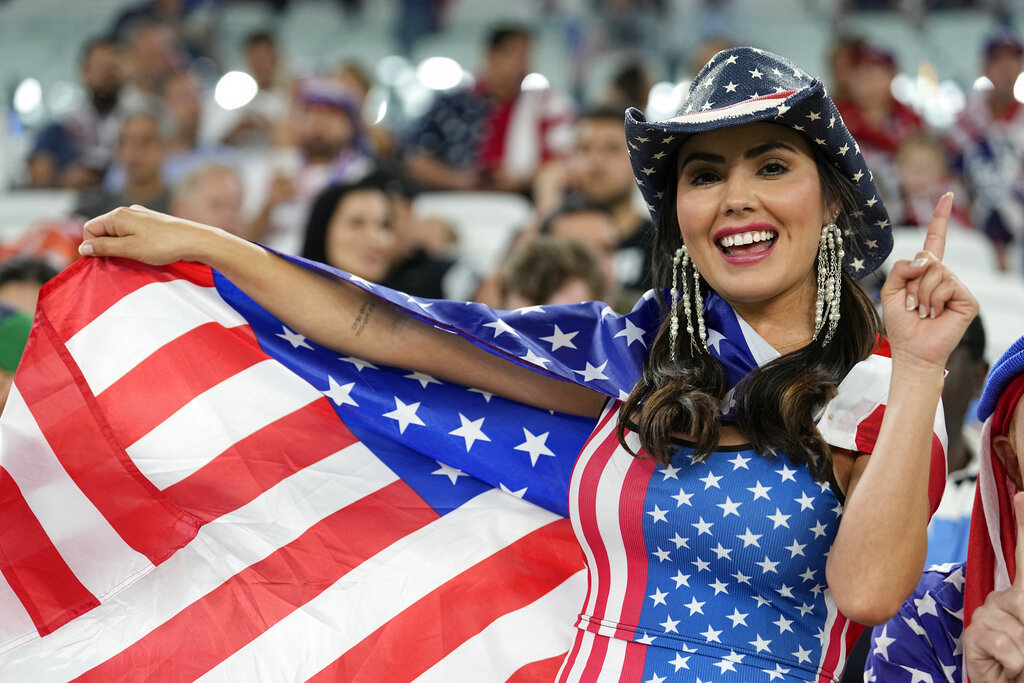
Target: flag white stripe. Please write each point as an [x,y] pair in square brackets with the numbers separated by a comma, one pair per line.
[92,549]
[579,662]
[15,624]
[614,660]
[381,588]
[606,501]
[732,111]
[222,548]
[142,322]
[548,637]
[218,418]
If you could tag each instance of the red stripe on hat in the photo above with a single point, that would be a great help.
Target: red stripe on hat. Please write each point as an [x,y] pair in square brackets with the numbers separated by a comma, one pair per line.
[108,281]
[535,564]
[170,377]
[254,465]
[67,414]
[33,567]
[261,595]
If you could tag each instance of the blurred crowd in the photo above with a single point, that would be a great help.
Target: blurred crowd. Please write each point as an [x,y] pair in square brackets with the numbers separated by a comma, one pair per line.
[303,167]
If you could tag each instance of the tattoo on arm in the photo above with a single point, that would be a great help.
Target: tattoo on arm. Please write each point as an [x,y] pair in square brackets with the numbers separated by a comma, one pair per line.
[365,311]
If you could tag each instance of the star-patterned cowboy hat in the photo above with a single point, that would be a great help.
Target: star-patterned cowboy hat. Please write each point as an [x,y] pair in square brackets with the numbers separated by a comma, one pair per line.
[745,85]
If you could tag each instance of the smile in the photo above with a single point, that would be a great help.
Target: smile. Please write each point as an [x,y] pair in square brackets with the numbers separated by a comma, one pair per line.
[737,242]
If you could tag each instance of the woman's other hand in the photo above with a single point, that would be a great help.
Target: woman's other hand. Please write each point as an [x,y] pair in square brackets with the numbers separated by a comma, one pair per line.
[925,307]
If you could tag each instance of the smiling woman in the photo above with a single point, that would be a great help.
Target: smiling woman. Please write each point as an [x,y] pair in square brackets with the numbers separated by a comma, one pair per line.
[761,470]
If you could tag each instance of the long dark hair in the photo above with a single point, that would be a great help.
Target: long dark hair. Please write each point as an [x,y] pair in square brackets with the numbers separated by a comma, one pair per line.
[314,242]
[776,404]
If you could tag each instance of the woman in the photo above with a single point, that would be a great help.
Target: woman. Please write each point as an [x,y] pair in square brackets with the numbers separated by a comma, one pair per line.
[761,406]
[351,227]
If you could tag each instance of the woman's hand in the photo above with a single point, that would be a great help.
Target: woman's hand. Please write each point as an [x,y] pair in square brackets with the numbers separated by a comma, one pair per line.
[926,309]
[994,642]
[143,235]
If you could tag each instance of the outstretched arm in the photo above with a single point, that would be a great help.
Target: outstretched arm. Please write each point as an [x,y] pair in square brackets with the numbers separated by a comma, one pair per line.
[333,313]
[879,551]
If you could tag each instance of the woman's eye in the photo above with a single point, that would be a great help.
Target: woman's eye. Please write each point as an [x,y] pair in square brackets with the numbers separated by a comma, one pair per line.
[703,178]
[774,168]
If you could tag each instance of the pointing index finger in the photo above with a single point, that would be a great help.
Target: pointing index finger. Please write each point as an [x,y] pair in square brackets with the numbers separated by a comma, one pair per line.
[935,240]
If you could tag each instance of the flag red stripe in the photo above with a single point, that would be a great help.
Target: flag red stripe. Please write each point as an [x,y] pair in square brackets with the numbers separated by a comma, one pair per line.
[262,594]
[256,464]
[66,412]
[415,640]
[105,285]
[543,671]
[170,376]
[33,567]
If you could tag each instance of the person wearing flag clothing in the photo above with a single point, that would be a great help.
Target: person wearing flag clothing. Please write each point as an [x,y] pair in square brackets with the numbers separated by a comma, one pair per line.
[966,619]
[764,463]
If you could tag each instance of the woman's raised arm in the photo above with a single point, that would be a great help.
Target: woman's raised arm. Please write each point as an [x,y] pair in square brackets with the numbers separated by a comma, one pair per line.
[331,312]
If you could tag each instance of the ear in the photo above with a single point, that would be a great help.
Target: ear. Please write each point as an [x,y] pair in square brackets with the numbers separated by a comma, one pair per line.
[1004,451]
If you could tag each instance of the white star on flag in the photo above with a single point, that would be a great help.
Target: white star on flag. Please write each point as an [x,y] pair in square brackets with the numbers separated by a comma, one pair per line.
[534,359]
[737,618]
[657,514]
[777,672]
[341,394]
[711,635]
[405,414]
[590,373]
[632,333]
[739,461]
[359,363]
[680,662]
[670,625]
[803,656]
[658,597]
[683,498]
[560,339]
[445,471]
[294,338]
[486,394]
[749,538]
[729,507]
[714,339]
[422,378]
[784,624]
[470,430]
[535,445]
[680,541]
[918,676]
[518,494]
[500,327]
[925,605]
[760,491]
[779,519]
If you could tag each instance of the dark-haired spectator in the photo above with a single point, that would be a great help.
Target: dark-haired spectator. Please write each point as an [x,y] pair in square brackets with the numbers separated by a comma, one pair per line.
[878,121]
[597,170]
[151,54]
[20,280]
[988,146]
[75,151]
[551,270]
[212,194]
[493,135]
[630,86]
[592,225]
[140,152]
[261,122]
[330,147]
[352,227]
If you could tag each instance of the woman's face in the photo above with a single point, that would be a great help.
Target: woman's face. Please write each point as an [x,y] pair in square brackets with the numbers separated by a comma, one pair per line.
[360,237]
[750,211]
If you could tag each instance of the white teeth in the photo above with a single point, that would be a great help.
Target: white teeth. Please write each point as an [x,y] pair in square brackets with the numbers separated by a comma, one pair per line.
[746,238]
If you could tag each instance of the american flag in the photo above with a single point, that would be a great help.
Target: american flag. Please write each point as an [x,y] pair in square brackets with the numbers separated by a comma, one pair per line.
[190,489]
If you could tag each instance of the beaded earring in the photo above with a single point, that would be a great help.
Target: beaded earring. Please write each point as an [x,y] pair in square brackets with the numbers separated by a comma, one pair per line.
[680,261]
[830,277]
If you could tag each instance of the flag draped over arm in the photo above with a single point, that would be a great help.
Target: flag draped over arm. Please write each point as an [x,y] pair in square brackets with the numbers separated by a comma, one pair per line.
[189,488]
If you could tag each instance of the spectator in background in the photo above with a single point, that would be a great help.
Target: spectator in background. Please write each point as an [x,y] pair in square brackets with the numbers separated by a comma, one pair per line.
[591,225]
[841,64]
[261,122]
[630,86]
[598,171]
[988,146]
[140,152]
[550,270]
[330,147]
[21,278]
[493,135]
[152,53]
[75,151]
[925,175]
[877,120]
[185,147]
[211,194]
[352,227]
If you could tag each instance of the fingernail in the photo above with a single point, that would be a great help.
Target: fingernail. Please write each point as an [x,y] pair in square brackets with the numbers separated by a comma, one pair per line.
[911,302]
[931,312]
[950,194]
[922,312]
[85,249]
[920,262]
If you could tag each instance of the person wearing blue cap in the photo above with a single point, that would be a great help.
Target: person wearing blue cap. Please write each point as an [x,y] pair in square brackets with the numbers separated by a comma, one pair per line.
[966,619]
[761,473]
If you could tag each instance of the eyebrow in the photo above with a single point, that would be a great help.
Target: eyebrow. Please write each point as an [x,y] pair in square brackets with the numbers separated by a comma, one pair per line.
[751,153]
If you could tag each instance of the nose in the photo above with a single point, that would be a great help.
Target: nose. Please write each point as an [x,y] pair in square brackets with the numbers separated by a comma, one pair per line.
[738,195]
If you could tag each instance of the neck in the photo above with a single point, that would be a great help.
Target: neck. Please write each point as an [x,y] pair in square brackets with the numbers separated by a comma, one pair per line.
[140,191]
[776,323]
